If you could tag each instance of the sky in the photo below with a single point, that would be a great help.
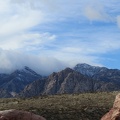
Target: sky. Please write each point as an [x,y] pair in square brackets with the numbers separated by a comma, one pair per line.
[49,35]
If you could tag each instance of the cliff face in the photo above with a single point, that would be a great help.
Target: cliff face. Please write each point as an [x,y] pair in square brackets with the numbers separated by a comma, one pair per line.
[67,81]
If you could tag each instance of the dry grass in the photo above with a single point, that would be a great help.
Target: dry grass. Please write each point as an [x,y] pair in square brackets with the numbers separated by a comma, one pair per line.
[88,106]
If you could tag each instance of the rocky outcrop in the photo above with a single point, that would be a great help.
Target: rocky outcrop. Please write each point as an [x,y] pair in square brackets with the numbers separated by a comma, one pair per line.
[114,113]
[19,115]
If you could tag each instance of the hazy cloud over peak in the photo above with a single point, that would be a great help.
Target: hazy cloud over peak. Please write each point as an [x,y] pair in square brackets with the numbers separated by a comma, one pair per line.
[12,60]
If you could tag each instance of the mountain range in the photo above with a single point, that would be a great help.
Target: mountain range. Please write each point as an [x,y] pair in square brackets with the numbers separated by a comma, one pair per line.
[80,79]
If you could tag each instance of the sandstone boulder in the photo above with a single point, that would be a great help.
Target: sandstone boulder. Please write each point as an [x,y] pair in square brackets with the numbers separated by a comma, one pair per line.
[114,113]
[19,115]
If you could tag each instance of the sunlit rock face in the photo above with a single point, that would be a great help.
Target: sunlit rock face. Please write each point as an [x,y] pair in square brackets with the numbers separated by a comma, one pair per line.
[114,113]
[19,115]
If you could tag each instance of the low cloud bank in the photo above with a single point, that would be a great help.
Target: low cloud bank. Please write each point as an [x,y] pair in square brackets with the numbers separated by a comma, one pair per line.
[12,60]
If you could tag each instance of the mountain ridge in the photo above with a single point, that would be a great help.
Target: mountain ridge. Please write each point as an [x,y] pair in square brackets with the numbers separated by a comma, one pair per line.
[87,69]
[17,80]
[64,82]
[74,80]
[82,78]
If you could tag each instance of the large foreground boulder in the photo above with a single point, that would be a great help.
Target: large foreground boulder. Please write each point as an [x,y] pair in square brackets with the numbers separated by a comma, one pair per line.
[19,115]
[114,113]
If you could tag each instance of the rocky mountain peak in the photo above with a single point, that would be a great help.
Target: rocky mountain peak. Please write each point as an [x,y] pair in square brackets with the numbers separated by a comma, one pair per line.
[68,70]
[88,70]
[84,65]
[27,69]
[17,80]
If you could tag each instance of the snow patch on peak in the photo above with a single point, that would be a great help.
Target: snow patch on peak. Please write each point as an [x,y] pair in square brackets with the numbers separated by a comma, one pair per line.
[84,65]
[87,69]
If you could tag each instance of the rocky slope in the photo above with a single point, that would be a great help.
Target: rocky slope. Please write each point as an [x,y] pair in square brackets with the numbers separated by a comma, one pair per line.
[68,81]
[4,94]
[89,70]
[15,82]
[65,81]
[36,88]
[106,79]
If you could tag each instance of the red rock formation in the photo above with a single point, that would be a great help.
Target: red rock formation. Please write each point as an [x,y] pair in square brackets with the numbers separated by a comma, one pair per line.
[19,115]
[114,113]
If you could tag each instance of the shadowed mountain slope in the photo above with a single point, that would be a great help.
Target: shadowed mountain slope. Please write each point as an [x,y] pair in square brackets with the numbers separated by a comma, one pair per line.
[15,82]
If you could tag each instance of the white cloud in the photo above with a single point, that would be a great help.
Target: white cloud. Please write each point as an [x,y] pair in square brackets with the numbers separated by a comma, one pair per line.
[4,6]
[26,41]
[89,51]
[18,18]
[100,45]
[12,60]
